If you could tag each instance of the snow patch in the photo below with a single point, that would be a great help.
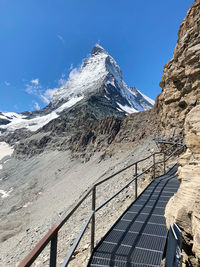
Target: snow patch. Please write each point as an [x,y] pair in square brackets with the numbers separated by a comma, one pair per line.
[69,104]
[127,109]
[90,77]
[11,115]
[5,150]
[27,204]
[38,122]
[151,101]
[5,194]
[31,124]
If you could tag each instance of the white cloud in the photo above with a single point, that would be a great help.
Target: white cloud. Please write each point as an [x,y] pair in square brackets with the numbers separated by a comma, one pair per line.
[35,81]
[47,95]
[74,73]
[7,83]
[61,38]
[62,81]
[71,67]
[33,87]
[36,105]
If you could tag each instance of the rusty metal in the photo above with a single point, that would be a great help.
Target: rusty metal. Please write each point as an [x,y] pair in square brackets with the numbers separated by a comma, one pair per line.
[32,256]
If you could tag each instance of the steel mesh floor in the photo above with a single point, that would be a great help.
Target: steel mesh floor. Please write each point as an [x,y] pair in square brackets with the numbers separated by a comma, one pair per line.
[138,237]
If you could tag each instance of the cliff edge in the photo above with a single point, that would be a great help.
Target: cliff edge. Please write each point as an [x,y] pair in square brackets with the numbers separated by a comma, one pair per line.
[178,107]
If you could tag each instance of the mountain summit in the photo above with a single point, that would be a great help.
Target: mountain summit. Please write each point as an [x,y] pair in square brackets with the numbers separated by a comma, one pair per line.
[98,84]
[100,73]
[97,49]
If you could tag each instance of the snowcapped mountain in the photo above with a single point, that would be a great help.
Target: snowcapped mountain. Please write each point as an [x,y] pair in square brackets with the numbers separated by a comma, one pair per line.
[99,81]
[100,73]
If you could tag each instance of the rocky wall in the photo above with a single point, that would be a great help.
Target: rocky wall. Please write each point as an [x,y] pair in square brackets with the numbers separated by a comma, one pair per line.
[178,107]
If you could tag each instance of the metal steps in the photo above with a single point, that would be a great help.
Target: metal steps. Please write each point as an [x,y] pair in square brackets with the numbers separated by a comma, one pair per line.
[138,237]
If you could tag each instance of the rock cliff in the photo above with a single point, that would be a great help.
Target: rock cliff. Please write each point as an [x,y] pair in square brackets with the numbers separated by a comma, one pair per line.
[180,81]
[178,107]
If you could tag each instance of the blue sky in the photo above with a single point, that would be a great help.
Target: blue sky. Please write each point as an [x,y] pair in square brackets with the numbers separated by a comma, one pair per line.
[41,41]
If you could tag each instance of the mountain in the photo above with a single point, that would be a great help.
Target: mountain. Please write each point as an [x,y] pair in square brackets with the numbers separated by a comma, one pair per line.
[53,155]
[98,83]
[88,115]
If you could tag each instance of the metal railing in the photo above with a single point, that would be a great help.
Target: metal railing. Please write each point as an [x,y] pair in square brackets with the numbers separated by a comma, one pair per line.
[51,236]
[174,246]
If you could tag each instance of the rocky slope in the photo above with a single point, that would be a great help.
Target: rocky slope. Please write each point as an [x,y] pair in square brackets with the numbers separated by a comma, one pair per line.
[180,81]
[40,189]
[59,151]
[178,107]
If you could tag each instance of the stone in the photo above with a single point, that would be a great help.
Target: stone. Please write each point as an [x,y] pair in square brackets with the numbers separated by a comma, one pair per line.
[178,108]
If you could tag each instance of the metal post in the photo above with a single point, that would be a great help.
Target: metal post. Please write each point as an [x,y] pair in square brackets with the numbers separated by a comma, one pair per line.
[136,180]
[164,165]
[93,218]
[53,250]
[154,166]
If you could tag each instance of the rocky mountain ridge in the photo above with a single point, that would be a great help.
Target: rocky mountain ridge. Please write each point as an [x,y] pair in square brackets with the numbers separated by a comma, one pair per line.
[180,81]
[178,109]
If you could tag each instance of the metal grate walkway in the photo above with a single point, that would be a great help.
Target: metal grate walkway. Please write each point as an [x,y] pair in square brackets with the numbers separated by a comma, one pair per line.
[138,237]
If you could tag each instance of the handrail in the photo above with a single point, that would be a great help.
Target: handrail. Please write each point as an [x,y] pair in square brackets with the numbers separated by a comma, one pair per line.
[51,236]
[124,169]
[121,189]
[158,140]
[39,248]
[76,242]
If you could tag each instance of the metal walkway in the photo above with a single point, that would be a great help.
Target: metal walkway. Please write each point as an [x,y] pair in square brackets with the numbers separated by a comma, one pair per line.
[138,237]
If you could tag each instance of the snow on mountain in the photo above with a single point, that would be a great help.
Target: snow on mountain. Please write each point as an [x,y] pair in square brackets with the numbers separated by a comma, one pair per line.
[10,116]
[88,79]
[19,121]
[99,74]
[5,150]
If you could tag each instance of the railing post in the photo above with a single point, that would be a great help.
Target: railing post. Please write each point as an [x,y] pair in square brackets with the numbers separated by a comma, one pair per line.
[164,165]
[53,250]
[93,218]
[136,180]
[154,166]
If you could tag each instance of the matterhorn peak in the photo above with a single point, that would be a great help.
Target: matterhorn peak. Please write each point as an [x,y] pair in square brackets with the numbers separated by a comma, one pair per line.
[100,77]
[97,49]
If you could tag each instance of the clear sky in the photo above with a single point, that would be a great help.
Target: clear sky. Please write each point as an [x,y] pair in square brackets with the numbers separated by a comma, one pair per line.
[41,41]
